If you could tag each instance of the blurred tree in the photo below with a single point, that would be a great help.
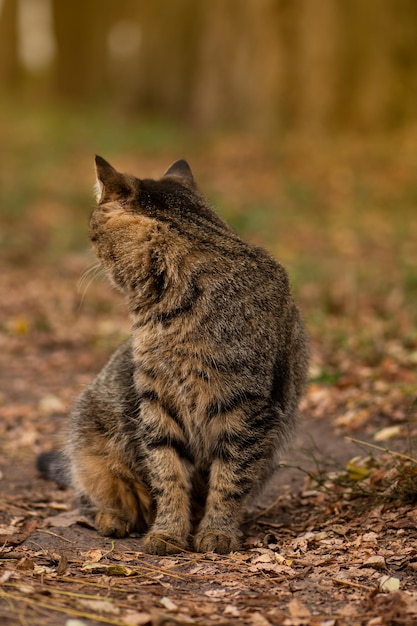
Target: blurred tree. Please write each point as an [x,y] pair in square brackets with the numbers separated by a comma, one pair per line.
[253,64]
[9,61]
[81,59]
[170,33]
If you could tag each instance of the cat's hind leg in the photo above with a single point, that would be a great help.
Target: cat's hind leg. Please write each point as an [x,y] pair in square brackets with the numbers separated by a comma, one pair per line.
[117,500]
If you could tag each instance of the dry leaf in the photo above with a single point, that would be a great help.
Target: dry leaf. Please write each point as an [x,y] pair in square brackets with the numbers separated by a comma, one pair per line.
[168,604]
[389,583]
[297,609]
[376,561]
[410,602]
[272,567]
[263,558]
[100,606]
[69,518]
[370,537]
[50,404]
[5,577]
[387,433]
[231,610]
[25,563]
[111,570]
[134,618]
[215,593]
[348,610]
[93,556]
[257,619]
[44,569]
[62,565]
[8,530]
[353,419]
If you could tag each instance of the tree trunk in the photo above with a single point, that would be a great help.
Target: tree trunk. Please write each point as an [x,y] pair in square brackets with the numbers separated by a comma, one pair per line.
[9,61]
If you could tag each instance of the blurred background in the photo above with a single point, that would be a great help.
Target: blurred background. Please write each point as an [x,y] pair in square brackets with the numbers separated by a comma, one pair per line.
[299,119]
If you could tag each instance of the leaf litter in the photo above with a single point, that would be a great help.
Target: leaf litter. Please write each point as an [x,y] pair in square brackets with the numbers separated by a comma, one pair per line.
[335,544]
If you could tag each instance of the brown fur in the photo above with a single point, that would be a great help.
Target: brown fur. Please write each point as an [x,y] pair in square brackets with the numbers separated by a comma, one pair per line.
[187,420]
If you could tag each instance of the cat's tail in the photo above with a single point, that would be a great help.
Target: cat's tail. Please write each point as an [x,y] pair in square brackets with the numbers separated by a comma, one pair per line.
[54,465]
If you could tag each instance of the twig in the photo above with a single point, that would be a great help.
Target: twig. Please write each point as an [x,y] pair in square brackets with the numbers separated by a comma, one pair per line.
[381,449]
[348,583]
[71,594]
[49,532]
[61,609]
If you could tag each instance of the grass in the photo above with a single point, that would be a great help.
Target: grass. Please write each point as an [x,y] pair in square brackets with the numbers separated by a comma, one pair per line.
[380,476]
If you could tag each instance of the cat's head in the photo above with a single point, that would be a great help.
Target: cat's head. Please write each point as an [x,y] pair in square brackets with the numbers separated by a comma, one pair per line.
[112,185]
[143,225]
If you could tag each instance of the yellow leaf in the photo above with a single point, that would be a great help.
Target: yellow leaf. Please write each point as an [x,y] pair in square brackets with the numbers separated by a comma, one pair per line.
[357,472]
[20,326]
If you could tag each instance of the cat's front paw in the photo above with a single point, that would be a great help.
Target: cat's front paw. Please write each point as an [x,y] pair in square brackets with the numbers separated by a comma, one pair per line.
[163,544]
[214,540]
[109,525]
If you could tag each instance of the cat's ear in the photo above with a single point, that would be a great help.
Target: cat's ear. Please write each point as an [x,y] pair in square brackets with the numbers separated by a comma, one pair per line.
[110,184]
[181,169]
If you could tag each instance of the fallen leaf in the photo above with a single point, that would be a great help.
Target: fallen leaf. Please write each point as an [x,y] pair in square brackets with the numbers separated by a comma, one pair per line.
[297,609]
[389,583]
[19,534]
[257,619]
[101,606]
[5,577]
[26,589]
[231,610]
[112,570]
[410,602]
[215,593]
[272,567]
[376,561]
[168,604]
[357,470]
[25,563]
[62,565]
[348,610]
[370,537]
[69,518]
[134,618]
[8,530]
[353,419]
[44,569]
[50,404]
[263,558]
[387,433]
[93,556]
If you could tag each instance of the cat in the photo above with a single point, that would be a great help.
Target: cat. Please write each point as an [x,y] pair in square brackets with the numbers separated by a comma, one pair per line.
[187,421]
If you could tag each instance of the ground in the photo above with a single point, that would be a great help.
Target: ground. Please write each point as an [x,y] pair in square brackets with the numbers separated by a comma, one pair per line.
[333,542]
[311,554]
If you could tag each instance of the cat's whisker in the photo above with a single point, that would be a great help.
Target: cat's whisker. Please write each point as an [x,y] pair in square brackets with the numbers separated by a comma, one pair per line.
[86,280]
[86,274]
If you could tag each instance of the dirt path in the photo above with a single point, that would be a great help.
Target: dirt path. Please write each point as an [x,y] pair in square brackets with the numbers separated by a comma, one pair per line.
[311,554]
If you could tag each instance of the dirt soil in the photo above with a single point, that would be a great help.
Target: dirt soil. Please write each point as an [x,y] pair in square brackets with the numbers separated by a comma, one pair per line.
[313,552]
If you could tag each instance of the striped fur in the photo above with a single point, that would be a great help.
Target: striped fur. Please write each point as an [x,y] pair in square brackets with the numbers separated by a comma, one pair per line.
[188,419]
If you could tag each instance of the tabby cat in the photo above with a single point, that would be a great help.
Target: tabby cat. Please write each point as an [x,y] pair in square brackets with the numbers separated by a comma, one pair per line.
[187,420]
